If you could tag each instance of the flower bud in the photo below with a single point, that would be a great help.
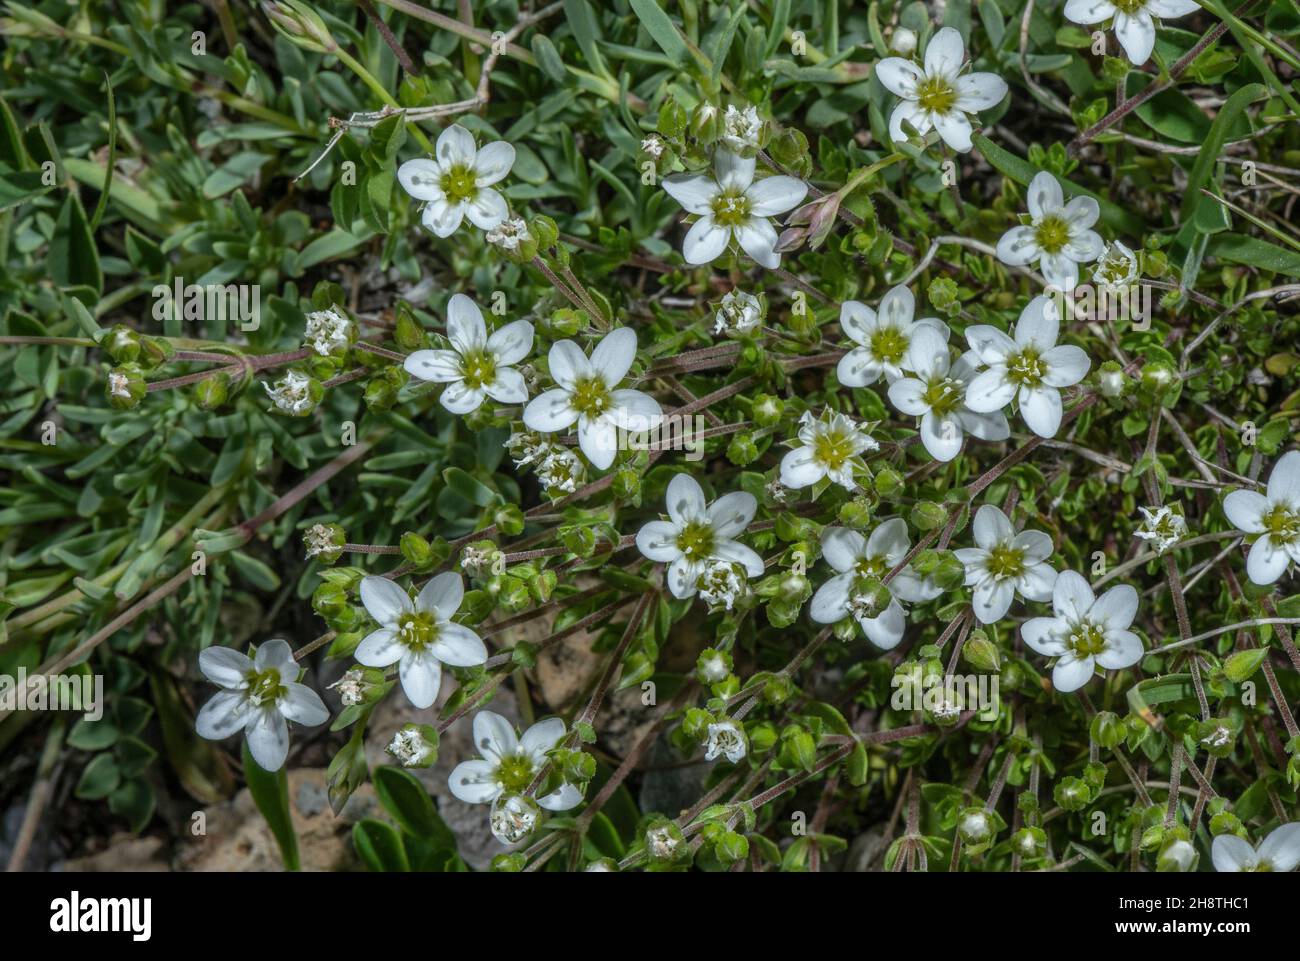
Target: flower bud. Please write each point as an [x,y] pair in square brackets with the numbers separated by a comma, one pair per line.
[408,334]
[121,343]
[672,118]
[1072,794]
[417,551]
[705,122]
[627,484]
[1111,380]
[212,392]
[975,827]
[888,482]
[509,519]
[742,450]
[981,653]
[1177,857]
[1107,730]
[903,41]
[300,24]
[578,540]
[928,516]
[712,666]
[767,410]
[381,390]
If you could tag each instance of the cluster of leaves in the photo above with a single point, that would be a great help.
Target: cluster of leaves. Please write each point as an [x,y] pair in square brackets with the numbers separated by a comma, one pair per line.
[140,149]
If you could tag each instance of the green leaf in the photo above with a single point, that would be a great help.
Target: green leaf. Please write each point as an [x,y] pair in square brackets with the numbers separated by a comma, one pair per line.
[380,846]
[474,491]
[1213,145]
[1255,253]
[1242,665]
[270,790]
[404,797]
[100,778]
[661,28]
[74,260]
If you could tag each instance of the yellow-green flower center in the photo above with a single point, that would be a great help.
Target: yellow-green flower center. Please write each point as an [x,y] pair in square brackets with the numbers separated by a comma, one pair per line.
[936,95]
[460,184]
[888,344]
[1026,368]
[265,687]
[868,567]
[730,209]
[590,396]
[417,630]
[695,540]
[1006,562]
[1052,234]
[832,448]
[478,367]
[515,773]
[1087,640]
[1281,525]
[943,396]
[1129,7]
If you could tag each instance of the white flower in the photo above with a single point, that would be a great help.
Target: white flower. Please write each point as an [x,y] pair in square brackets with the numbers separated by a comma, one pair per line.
[831,447]
[560,471]
[697,532]
[1087,631]
[119,385]
[258,695]
[1279,852]
[653,146]
[1275,516]
[731,205]
[937,394]
[409,747]
[1027,366]
[292,393]
[1117,269]
[714,669]
[458,182]
[509,234]
[508,764]
[738,313]
[1178,857]
[1059,235]
[939,96]
[1133,25]
[327,331]
[661,842]
[513,818]
[1005,563]
[740,129]
[477,366]
[528,447]
[726,739]
[1164,527]
[720,583]
[883,338]
[419,636]
[587,394]
[858,559]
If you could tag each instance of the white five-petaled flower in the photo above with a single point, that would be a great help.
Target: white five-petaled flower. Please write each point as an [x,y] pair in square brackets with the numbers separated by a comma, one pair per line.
[937,95]
[588,394]
[293,393]
[259,695]
[457,183]
[1028,366]
[831,447]
[1134,28]
[1005,563]
[419,636]
[1059,236]
[859,560]
[478,365]
[1087,631]
[697,532]
[1279,852]
[726,739]
[731,204]
[1275,516]
[1163,527]
[883,337]
[509,763]
[936,393]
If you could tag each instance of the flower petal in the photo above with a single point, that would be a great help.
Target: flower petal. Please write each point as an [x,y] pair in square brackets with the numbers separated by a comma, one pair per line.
[1066,365]
[493,163]
[438,366]
[635,411]
[384,600]
[857,368]
[1266,561]
[831,602]
[442,218]
[1284,481]
[456,146]
[1019,246]
[1089,11]
[657,540]
[1071,672]
[1281,849]
[992,527]
[705,241]
[612,358]
[421,178]
[992,599]
[268,739]
[758,238]
[910,111]
[1137,35]
[991,345]
[460,398]
[990,391]
[563,798]
[843,548]
[508,388]
[900,77]
[512,343]
[541,737]
[886,630]
[494,736]
[682,578]
[908,395]
[1043,634]
[224,667]
[568,363]
[1123,649]
[488,209]
[1041,409]
[775,195]
[799,468]
[474,782]
[550,411]
[735,552]
[1044,195]
[1059,271]
[955,130]
[598,440]
[945,53]
[695,192]
[731,513]
[458,646]
[1116,608]
[889,540]
[465,327]
[942,436]
[442,593]
[733,171]
[380,648]
[686,500]
[303,705]
[1072,597]
[1232,854]
[1039,324]
[1245,509]
[222,716]
[979,91]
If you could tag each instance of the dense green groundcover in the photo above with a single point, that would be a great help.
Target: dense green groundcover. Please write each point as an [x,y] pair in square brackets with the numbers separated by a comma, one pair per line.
[182,478]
